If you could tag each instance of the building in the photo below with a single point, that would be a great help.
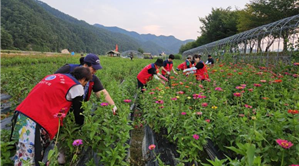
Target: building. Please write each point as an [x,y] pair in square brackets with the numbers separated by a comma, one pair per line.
[113,53]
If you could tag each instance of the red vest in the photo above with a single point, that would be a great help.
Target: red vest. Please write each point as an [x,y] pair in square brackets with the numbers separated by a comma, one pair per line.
[46,99]
[144,76]
[168,67]
[184,66]
[202,74]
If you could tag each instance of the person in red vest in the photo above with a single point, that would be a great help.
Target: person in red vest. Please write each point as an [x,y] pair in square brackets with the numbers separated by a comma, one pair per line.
[168,66]
[185,65]
[92,62]
[195,60]
[148,72]
[200,71]
[37,118]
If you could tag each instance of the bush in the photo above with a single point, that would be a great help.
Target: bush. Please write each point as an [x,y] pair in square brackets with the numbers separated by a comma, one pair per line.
[178,56]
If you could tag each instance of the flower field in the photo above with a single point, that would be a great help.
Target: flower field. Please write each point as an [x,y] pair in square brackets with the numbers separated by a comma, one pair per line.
[249,112]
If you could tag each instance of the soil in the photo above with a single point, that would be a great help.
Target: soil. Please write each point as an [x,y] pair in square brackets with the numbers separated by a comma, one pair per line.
[136,158]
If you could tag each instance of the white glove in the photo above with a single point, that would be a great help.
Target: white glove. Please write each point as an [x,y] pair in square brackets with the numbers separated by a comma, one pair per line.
[175,73]
[190,69]
[168,73]
[114,110]
[156,77]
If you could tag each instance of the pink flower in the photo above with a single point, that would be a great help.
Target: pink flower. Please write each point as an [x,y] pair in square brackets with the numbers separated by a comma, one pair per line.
[218,89]
[77,142]
[198,113]
[151,93]
[243,85]
[257,85]
[284,143]
[183,113]
[59,115]
[241,115]
[248,106]
[161,107]
[143,89]
[180,92]
[294,165]
[202,97]
[204,104]
[239,87]
[174,98]
[208,120]
[201,86]
[152,147]
[237,94]
[196,137]
[104,104]
[263,81]
[159,101]
[127,100]
[250,90]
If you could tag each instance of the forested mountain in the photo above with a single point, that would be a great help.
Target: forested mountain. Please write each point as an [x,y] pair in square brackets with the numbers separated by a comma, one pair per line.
[34,25]
[170,43]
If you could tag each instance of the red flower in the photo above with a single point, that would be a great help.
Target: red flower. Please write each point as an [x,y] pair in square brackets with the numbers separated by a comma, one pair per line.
[237,94]
[59,115]
[293,112]
[208,120]
[277,81]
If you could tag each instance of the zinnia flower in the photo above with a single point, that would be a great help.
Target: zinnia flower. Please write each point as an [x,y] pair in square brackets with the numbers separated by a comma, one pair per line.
[263,80]
[237,94]
[250,90]
[243,85]
[284,143]
[173,98]
[183,113]
[277,81]
[293,112]
[208,120]
[127,100]
[239,87]
[180,92]
[59,115]
[204,104]
[77,142]
[294,165]
[195,136]
[214,107]
[257,85]
[218,89]
[159,101]
[104,104]
[151,93]
[248,106]
[152,147]
[198,113]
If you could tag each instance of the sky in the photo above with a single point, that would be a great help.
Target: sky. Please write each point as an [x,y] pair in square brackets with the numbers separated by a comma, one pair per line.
[179,18]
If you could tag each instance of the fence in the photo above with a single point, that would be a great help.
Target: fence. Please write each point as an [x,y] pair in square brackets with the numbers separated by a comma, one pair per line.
[268,44]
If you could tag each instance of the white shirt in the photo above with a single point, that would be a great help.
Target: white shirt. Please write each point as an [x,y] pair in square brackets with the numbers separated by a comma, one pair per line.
[74,92]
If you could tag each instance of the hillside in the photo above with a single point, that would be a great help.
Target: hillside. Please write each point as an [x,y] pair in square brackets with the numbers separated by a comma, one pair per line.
[169,43]
[34,25]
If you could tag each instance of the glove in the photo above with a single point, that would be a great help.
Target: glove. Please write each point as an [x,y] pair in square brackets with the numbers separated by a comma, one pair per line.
[175,73]
[161,76]
[114,110]
[168,73]
[190,69]
[156,77]
[162,82]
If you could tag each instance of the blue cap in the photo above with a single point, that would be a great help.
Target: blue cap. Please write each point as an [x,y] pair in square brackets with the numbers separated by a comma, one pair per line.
[93,60]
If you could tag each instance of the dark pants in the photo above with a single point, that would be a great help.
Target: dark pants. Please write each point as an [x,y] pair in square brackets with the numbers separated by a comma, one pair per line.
[140,85]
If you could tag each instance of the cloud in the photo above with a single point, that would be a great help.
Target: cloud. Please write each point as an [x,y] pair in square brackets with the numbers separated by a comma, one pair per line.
[153,29]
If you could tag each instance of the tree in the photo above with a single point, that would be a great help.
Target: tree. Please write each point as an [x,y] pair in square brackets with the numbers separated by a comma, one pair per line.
[140,50]
[6,39]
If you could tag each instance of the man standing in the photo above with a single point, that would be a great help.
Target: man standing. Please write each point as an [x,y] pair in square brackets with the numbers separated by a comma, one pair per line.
[148,72]
[37,118]
[92,62]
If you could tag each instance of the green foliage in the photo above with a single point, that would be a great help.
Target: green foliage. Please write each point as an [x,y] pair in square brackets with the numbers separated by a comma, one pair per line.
[140,50]
[177,56]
